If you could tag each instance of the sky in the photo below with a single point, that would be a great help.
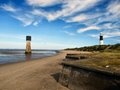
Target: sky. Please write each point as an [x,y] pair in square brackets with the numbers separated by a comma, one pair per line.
[58,24]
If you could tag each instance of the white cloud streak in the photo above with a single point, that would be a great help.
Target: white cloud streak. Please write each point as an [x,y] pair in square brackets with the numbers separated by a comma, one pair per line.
[25,20]
[68,11]
[78,18]
[69,7]
[107,34]
[107,21]
[69,33]
[73,6]
[9,8]
[114,8]
[111,34]
[43,3]
[88,29]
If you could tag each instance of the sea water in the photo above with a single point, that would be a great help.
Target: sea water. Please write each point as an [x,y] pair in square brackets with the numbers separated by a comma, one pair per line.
[18,55]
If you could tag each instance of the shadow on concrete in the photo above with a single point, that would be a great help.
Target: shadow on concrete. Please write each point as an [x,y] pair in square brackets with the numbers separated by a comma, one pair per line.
[112,88]
[56,76]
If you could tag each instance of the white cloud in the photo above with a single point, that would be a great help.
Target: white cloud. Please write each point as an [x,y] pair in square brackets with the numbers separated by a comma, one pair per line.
[112,34]
[112,13]
[35,23]
[78,18]
[106,22]
[23,17]
[114,8]
[43,3]
[111,18]
[88,29]
[9,8]
[107,34]
[107,25]
[85,18]
[38,12]
[69,7]
[73,6]
[50,16]
[69,33]
[25,20]
[68,12]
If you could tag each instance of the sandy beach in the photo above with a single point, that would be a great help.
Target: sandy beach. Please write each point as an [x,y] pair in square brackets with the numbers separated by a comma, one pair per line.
[32,75]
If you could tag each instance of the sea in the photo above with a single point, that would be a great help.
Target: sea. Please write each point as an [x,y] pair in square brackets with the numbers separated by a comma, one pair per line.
[18,55]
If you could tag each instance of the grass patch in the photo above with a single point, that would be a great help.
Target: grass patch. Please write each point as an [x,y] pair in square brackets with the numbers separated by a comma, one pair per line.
[102,60]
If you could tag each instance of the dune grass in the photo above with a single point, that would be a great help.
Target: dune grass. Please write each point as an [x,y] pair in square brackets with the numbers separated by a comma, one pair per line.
[102,60]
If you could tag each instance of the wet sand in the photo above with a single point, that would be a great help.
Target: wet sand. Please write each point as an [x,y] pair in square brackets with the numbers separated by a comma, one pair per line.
[33,75]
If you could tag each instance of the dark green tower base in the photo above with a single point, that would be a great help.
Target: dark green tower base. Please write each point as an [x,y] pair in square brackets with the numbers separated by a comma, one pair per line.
[28,52]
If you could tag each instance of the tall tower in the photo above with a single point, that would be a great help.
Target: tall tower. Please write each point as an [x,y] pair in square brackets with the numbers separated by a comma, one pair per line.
[28,45]
[101,39]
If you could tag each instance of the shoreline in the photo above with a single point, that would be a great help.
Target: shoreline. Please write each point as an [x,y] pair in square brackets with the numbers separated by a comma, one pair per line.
[33,75]
[2,64]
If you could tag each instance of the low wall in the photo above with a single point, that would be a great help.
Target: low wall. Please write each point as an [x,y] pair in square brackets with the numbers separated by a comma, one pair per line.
[82,78]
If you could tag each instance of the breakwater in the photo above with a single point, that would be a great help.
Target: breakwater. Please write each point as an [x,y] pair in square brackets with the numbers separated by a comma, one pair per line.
[83,78]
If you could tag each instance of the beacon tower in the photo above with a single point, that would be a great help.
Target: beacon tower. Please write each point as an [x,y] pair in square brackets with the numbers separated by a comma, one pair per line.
[101,39]
[28,45]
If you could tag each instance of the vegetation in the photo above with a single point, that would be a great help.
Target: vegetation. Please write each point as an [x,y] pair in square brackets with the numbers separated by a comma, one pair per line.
[98,48]
[107,59]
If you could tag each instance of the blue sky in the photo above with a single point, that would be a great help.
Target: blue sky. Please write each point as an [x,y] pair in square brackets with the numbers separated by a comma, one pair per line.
[58,24]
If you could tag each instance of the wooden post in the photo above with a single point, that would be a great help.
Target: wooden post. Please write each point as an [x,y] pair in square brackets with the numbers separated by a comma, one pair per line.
[28,45]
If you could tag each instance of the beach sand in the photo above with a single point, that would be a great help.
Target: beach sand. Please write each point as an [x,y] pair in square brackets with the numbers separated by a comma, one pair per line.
[33,75]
